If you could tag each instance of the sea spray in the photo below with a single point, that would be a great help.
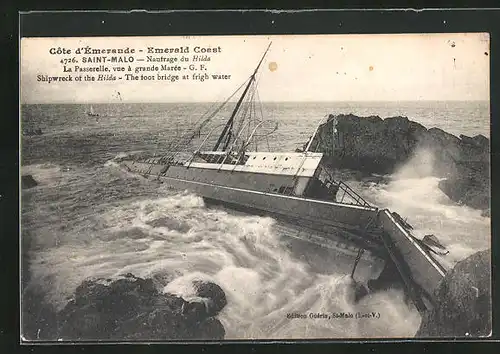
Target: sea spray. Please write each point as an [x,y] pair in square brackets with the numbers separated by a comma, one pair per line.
[85,222]
[413,192]
[173,237]
[243,254]
[421,164]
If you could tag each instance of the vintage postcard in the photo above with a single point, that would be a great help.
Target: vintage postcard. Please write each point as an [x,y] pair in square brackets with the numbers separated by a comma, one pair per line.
[255,187]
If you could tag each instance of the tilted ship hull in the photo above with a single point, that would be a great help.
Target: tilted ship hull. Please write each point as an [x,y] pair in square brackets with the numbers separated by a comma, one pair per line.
[298,188]
[287,196]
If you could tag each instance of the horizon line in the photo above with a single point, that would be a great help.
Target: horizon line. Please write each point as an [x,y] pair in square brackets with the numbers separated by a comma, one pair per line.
[285,101]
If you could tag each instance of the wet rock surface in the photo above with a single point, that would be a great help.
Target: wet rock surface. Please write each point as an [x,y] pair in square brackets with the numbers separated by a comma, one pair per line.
[375,145]
[27,181]
[358,291]
[213,293]
[131,308]
[464,301]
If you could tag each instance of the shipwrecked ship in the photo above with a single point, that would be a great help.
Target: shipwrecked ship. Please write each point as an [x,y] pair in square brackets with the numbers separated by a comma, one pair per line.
[296,187]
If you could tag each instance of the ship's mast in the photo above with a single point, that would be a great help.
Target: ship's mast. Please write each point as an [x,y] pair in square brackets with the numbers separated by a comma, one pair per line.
[227,132]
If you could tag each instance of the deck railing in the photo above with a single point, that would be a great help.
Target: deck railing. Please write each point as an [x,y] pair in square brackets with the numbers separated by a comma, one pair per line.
[346,190]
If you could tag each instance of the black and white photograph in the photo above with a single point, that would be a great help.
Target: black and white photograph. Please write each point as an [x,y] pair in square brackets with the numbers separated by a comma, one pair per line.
[255,187]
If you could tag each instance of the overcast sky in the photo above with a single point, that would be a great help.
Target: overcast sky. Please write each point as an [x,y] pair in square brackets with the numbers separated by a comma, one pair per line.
[305,68]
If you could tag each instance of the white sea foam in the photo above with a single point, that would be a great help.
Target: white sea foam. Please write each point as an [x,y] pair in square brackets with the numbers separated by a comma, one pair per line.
[413,192]
[100,221]
[174,237]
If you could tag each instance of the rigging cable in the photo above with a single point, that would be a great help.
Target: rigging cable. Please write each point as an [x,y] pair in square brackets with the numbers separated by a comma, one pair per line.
[262,115]
[185,138]
[242,114]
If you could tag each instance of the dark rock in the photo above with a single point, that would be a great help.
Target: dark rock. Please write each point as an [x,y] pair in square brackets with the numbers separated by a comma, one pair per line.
[375,145]
[467,191]
[27,181]
[359,291]
[389,278]
[211,328]
[85,322]
[432,241]
[31,132]
[132,308]
[91,292]
[443,137]
[463,307]
[215,295]
[195,310]
[38,316]
[160,280]
[479,141]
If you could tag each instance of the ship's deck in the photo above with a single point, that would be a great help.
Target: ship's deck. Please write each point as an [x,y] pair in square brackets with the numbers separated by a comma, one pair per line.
[297,164]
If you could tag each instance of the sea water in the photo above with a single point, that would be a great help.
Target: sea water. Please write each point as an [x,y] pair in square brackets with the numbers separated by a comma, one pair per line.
[88,218]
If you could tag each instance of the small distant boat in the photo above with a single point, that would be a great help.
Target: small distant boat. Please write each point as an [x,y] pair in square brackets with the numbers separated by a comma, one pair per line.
[91,112]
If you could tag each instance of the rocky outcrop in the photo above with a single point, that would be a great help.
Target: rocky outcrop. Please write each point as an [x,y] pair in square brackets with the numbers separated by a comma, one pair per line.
[27,181]
[131,308]
[464,301]
[376,145]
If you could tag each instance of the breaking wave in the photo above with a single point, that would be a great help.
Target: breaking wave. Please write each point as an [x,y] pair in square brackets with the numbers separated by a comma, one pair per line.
[413,192]
[124,224]
[175,239]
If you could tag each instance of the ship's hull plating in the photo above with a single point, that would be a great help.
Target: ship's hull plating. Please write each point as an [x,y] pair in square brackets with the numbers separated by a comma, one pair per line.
[322,216]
